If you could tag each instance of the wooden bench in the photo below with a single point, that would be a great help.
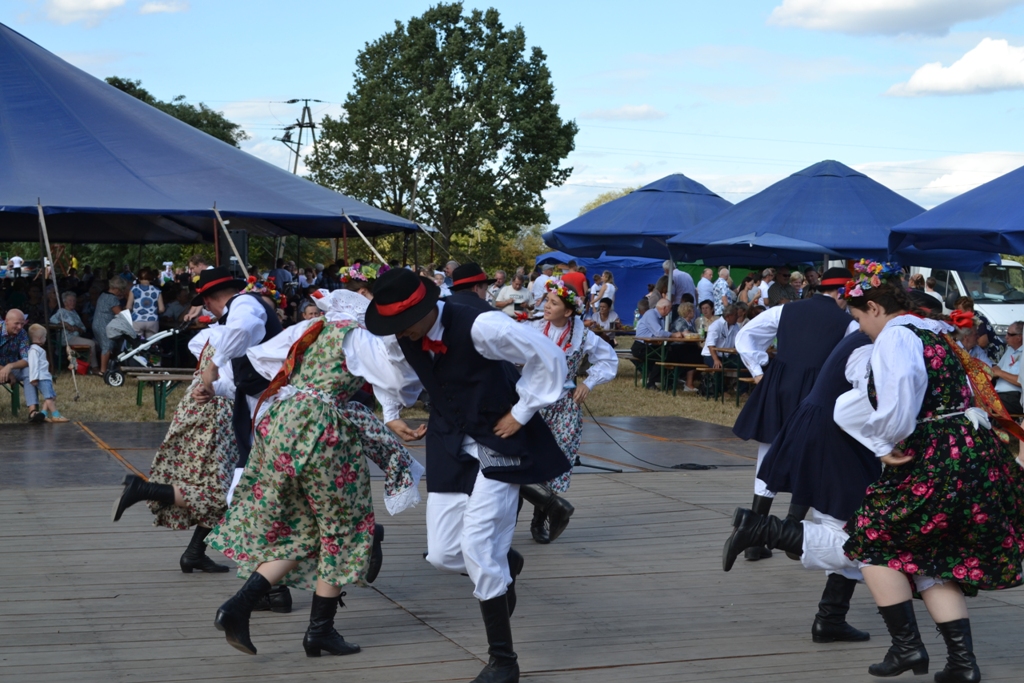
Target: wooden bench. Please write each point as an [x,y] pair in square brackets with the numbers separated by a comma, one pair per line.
[15,391]
[163,384]
[676,367]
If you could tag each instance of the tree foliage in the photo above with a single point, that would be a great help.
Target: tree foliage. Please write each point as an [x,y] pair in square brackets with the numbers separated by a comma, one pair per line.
[604,198]
[198,116]
[453,109]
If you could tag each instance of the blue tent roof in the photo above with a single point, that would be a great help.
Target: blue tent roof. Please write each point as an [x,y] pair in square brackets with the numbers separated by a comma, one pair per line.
[827,204]
[639,223]
[632,275]
[110,168]
[988,219]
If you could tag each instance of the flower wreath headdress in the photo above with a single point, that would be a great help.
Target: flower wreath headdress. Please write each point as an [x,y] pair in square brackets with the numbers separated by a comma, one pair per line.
[564,292]
[353,274]
[266,288]
[868,275]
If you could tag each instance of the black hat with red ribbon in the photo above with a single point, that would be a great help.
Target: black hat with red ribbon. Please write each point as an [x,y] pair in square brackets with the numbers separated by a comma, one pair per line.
[834,278]
[214,279]
[469,275]
[401,298]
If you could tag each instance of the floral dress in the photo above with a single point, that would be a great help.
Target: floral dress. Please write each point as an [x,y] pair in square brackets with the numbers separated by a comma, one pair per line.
[305,492]
[198,456]
[956,511]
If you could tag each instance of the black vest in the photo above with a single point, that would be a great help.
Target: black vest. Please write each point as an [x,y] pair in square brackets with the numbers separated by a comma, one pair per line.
[468,395]
[470,298]
[247,380]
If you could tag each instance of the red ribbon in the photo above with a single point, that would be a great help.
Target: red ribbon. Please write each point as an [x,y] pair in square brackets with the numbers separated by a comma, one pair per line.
[399,306]
[834,282]
[480,277]
[435,346]
[962,319]
[212,283]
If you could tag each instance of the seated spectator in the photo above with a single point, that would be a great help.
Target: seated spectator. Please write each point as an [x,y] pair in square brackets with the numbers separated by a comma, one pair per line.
[686,322]
[796,281]
[514,298]
[180,304]
[722,335]
[309,310]
[781,292]
[754,311]
[811,281]
[72,329]
[707,315]
[741,314]
[969,341]
[988,341]
[652,325]
[606,318]
[439,281]
[1007,372]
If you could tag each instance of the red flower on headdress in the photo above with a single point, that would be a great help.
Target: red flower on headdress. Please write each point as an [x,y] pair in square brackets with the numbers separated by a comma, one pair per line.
[962,319]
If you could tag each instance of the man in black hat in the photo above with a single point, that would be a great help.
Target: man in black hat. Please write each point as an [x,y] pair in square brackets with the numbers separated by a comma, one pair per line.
[484,439]
[469,286]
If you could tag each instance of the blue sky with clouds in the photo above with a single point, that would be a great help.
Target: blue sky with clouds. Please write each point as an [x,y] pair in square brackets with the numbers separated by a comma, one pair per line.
[925,96]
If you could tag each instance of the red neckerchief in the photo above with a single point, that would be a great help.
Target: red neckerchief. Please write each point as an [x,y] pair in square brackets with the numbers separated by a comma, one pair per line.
[561,337]
[436,346]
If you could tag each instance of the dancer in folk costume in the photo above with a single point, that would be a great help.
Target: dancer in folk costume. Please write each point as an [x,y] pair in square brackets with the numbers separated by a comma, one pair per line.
[946,518]
[485,436]
[807,331]
[563,325]
[302,512]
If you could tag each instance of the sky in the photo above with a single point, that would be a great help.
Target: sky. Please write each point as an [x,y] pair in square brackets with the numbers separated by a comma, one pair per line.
[924,96]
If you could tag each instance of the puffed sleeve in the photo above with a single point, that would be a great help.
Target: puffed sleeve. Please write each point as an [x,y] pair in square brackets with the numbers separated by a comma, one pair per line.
[604,364]
[267,358]
[244,329]
[900,379]
[755,337]
[380,361]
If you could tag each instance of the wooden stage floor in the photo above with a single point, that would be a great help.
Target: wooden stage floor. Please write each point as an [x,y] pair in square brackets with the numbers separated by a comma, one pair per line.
[632,591]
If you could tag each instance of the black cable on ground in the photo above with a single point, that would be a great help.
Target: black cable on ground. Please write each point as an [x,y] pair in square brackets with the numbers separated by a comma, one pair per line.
[680,466]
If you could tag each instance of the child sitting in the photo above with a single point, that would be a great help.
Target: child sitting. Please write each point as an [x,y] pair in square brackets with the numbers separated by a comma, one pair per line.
[39,373]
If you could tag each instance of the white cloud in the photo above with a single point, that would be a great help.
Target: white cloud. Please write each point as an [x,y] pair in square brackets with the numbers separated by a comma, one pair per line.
[992,65]
[930,182]
[164,7]
[628,112]
[885,17]
[88,11]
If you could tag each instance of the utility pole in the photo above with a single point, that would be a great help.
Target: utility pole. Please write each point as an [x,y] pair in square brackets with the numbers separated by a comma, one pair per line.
[304,121]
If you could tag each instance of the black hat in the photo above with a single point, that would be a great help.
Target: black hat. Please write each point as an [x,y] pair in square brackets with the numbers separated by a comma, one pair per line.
[469,275]
[215,279]
[401,298]
[834,278]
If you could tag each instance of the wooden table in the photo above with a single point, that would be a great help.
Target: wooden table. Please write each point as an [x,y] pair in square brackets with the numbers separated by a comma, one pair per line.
[659,346]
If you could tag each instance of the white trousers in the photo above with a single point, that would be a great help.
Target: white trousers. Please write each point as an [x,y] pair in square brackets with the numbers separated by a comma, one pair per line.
[824,538]
[760,488]
[473,534]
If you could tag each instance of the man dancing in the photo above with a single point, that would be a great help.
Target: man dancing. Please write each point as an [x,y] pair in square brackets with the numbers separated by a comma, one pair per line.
[485,436]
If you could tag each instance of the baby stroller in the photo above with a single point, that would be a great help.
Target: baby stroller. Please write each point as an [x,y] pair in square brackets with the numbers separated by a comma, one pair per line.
[131,351]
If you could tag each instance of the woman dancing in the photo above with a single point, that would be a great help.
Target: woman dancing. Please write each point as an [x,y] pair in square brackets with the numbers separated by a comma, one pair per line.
[562,325]
[302,512]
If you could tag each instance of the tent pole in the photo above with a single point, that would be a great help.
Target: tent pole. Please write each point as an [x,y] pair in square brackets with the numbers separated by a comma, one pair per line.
[216,244]
[45,238]
[360,233]
[344,243]
[231,242]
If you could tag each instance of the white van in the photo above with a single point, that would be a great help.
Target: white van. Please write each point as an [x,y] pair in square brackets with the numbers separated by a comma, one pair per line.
[998,290]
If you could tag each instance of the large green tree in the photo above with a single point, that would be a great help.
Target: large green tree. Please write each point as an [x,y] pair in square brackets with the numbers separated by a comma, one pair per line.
[199,116]
[453,110]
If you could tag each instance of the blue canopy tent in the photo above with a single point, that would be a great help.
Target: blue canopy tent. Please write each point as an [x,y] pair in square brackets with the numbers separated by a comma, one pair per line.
[632,275]
[639,223]
[107,167]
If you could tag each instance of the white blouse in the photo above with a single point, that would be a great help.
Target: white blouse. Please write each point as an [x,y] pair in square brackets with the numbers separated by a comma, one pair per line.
[604,364]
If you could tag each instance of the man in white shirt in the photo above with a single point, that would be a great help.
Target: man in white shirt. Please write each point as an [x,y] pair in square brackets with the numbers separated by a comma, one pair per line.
[540,289]
[767,278]
[706,287]
[721,335]
[499,282]
[514,298]
[1007,373]
[15,264]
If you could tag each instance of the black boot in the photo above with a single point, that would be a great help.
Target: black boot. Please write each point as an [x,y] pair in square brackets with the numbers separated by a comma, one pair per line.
[321,636]
[797,513]
[233,616]
[279,600]
[907,651]
[753,530]
[830,621]
[376,554]
[557,509]
[961,665]
[195,556]
[136,489]
[515,566]
[502,666]
[538,527]
[762,505]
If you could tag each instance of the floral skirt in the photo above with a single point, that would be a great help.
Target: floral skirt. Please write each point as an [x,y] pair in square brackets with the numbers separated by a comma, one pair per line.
[955,512]
[564,418]
[198,456]
[305,496]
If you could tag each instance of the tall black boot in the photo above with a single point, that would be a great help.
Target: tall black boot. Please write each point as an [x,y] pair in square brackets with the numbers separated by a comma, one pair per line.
[515,567]
[557,509]
[233,616]
[279,600]
[961,665]
[136,489]
[797,513]
[376,554]
[502,666]
[830,621]
[753,530]
[762,505]
[195,556]
[907,651]
[539,528]
[321,636]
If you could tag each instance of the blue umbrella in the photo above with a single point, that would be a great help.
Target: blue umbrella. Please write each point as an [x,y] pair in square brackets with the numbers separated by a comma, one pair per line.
[756,249]
[828,204]
[639,223]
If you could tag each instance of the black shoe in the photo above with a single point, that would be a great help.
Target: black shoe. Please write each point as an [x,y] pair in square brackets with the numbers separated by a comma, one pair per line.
[135,490]
[751,530]
[515,567]
[557,509]
[961,665]
[830,621]
[755,554]
[907,651]
[539,527]
[762,505]
[376,554]
[195,558]
[233,616]
[502,667]
[278,600]
[321,636]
